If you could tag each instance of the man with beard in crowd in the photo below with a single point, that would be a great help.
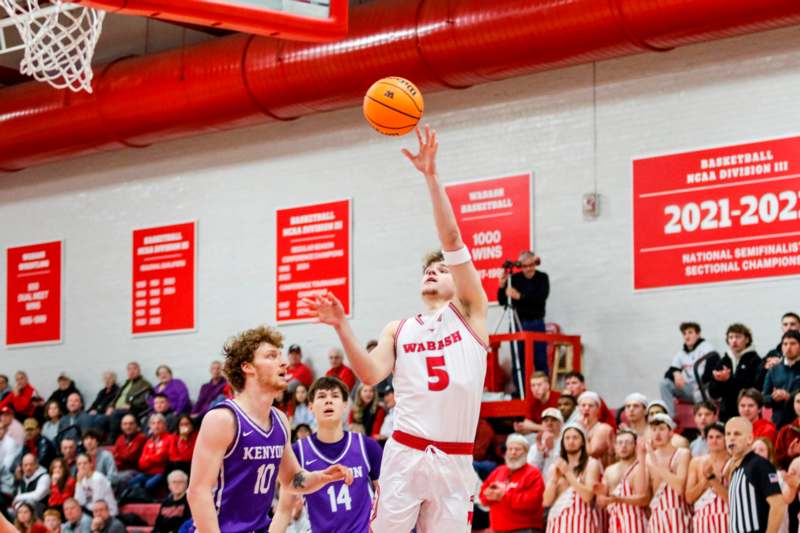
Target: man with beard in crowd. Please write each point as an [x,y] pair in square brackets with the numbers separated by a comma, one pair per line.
[513,492]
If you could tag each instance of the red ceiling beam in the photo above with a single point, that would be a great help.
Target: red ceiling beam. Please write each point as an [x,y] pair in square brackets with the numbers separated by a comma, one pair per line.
[242,80]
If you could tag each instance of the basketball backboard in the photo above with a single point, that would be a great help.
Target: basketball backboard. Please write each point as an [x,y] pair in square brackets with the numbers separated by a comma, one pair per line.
[306,20]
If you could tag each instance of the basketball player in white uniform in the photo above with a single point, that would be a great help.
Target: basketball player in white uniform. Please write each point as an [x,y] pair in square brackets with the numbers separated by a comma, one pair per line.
[439,363]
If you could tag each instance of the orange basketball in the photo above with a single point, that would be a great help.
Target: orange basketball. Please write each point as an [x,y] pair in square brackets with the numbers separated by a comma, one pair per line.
[393,106]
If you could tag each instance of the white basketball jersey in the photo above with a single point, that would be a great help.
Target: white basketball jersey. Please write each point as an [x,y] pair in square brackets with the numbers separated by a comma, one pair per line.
[440,367]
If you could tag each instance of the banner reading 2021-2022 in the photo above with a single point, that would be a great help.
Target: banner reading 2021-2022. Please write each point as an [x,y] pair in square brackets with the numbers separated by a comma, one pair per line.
[720,214]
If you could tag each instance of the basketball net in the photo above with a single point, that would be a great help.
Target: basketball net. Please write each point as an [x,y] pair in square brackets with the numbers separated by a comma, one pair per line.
[59,41]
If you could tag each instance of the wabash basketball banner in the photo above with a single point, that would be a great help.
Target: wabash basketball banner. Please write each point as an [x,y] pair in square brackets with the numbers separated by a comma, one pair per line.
[496,222]
[313,256]
[164,279]
[720,214]
[33,294]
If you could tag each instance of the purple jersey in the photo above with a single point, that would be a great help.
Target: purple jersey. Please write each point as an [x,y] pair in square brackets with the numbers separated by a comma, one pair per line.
[337,508]
[246,484]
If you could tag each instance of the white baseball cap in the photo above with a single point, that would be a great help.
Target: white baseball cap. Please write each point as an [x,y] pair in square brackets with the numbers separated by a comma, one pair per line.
[552,412]
[519,439]
[661,418]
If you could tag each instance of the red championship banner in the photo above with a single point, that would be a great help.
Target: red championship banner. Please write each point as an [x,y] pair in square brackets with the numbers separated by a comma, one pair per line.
[313,256]
[721,214]
[496,222]
[164,279]
[33,294]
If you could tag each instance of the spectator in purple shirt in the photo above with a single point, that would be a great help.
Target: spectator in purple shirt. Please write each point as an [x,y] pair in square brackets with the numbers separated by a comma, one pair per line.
[213,392]
[174,389]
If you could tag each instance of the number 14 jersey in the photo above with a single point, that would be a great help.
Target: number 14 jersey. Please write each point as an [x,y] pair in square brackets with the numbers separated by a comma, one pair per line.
[336,507]
[440,367]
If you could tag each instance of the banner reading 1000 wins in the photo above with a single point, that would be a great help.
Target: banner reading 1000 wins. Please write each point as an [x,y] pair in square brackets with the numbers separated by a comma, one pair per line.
[721,214]
[496,222]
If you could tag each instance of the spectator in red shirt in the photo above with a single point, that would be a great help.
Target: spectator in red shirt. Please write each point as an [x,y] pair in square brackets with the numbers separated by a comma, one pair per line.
[750,402]
[182,447]
[155,456]
[297,372]
[514,491]
[339,370]
[575,385]
[128,448]
[541,398]
[62,484]
[23,398]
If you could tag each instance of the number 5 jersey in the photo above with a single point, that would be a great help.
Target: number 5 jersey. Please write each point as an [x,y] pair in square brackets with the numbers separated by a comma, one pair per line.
[440,367]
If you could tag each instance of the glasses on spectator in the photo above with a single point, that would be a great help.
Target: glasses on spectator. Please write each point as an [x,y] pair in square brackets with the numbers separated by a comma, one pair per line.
[527,265]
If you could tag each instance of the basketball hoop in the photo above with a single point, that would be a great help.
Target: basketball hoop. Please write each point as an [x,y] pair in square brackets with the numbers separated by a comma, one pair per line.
[58,40]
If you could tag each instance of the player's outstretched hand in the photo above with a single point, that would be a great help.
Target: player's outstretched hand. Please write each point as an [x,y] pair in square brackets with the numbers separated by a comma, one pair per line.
[425,159]
[337,472]
[327,309]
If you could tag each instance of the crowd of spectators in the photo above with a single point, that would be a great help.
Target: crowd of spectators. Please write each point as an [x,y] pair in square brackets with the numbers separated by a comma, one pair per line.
[68,468]
[664,462]
[64,467]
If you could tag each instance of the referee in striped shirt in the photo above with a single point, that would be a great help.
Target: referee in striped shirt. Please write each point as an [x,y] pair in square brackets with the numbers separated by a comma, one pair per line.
[756,503]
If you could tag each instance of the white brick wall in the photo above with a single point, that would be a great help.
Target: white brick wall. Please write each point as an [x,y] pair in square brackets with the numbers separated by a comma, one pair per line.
[712,94]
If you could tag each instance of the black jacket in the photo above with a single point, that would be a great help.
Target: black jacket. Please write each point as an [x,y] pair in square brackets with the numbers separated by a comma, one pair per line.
[104,399]
[534,292]
[744,377]
[172,514]
[61,396]
[762,371]
[45,452]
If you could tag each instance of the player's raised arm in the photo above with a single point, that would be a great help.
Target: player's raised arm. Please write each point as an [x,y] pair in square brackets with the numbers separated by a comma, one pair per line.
[469,290]
[216,435]
[296,480]
[370,367]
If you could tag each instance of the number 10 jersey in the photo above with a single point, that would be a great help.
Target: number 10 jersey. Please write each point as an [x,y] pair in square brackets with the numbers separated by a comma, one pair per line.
[440,367]
[246,484]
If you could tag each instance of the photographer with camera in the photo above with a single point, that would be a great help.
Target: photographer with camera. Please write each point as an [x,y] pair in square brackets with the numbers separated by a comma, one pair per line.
[526,291]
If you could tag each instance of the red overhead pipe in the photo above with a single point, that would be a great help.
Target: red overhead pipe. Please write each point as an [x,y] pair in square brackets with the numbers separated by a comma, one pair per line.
[241,80]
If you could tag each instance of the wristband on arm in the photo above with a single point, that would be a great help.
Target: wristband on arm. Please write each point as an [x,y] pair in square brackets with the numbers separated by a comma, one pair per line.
[457,257]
